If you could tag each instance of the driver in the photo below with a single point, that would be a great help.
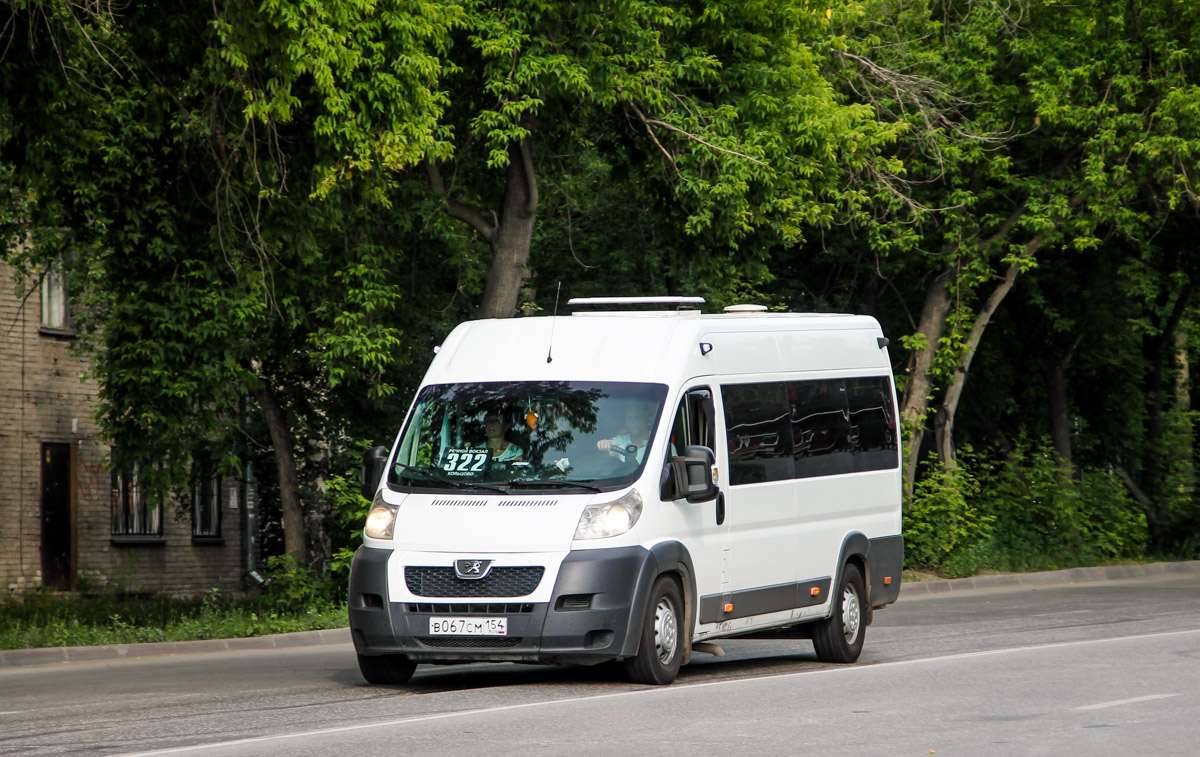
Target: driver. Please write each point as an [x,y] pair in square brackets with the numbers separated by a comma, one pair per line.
[636,434]
[499,447]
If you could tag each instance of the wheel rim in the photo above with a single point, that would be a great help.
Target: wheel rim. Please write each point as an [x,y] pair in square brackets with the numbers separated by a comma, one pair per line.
[851,615]
[666,631]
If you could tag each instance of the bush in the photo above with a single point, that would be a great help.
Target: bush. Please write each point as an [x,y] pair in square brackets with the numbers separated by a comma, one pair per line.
[943,531]
[1043,520]
[294,587]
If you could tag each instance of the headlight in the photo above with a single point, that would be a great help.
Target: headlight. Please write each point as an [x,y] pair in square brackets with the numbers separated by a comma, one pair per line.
[382,519]
[613,519]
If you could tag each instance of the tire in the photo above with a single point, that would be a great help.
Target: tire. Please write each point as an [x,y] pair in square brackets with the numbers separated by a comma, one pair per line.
[388,669]
[661,649]
[839,638]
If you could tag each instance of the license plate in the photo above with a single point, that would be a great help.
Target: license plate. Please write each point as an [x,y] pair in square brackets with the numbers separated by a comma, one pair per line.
[468,626]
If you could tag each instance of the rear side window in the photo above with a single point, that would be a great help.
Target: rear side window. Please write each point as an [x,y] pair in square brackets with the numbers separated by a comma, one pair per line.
[872,423]
[803,429]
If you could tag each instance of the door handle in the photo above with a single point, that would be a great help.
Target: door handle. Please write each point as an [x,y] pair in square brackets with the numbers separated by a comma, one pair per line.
[720,508]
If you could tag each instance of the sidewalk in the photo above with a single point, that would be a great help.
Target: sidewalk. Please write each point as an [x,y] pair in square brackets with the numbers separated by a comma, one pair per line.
[23,657]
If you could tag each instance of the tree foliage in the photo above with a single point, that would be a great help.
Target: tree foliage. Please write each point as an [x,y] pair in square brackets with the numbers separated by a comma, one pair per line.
[282,206]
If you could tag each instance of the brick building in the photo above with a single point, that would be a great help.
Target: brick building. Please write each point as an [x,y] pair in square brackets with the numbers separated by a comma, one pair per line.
[66,522]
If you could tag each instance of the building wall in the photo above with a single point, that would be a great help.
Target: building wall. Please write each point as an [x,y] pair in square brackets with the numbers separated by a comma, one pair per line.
[45,399]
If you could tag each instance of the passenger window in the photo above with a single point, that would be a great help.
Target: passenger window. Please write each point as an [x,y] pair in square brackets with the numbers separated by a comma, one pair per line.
[759,431]
[821,427]
[872,423]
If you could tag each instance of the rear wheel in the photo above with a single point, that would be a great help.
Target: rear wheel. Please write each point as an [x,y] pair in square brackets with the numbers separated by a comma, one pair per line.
[660,653]
[391,669]
[839,638]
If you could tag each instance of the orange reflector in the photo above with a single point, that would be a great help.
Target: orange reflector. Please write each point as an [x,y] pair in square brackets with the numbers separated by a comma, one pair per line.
[816,591]
[887,580]
[728,608]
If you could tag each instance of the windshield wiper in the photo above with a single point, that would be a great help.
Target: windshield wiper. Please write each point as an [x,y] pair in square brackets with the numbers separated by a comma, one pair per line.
[433,475]
[518,484]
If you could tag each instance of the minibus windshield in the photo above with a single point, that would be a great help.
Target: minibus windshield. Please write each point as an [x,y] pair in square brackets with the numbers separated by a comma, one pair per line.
[533,436]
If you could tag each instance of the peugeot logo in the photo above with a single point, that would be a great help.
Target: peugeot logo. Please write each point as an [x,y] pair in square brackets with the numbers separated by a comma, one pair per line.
[472,570]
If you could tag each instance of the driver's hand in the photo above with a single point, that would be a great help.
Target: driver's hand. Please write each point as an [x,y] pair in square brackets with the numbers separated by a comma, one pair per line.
[604,445]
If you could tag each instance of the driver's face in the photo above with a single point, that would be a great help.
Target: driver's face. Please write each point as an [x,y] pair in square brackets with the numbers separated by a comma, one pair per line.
[635,422]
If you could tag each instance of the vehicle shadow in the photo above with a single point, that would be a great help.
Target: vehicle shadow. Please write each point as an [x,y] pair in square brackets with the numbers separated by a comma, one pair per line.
[434,679]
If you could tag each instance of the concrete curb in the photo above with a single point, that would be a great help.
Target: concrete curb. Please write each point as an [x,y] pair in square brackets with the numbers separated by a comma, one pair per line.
[914,589]
[51,655]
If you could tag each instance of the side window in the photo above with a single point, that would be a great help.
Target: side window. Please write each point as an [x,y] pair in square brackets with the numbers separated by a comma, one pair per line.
[759,431]
[872,423]
[694,422]
[55,315]
[821,427]
[679,431]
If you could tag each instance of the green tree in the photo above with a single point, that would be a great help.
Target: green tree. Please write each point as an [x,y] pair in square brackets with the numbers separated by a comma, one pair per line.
[1036,129]
[713,116]
[211,172]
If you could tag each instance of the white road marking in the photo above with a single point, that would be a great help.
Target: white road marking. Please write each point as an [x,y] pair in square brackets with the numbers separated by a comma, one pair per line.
[1120,702]
[658,690]
[13,712]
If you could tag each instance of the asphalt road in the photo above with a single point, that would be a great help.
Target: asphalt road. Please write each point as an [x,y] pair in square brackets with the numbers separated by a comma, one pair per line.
[1101,668]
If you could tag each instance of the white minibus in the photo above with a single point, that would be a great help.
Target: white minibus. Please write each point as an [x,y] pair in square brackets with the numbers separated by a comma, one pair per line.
[631,485]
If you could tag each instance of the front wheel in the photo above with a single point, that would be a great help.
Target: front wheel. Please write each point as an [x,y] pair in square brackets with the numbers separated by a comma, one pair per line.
[391,669]
[660,652]
[839,638]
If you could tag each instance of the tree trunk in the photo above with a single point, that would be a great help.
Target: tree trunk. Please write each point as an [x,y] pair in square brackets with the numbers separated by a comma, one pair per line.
[1156,465]
[945,418]
[513,235]
[285,465]
[1183,384]
[915,404]
[1055,375]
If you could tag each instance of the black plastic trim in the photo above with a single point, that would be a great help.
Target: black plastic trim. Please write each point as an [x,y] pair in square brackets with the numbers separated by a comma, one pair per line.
[885,560]
[763,601]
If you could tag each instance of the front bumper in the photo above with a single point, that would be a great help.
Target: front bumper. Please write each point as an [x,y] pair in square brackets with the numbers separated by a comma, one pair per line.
[586,621]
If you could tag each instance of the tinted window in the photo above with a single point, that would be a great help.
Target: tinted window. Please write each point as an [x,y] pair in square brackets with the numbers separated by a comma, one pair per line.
[759,433]
[872,423]
[821,428]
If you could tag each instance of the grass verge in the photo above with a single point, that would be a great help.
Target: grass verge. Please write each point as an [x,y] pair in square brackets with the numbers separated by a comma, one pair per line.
[47,620]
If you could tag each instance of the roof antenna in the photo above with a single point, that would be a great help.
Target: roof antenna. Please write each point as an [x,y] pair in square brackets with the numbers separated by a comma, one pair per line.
[550,349]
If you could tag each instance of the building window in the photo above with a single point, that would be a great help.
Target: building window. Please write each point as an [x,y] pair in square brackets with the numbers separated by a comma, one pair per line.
[208,497]
[56,316]
[134,514]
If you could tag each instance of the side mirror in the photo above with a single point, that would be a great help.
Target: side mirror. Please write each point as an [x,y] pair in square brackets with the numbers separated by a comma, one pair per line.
[689,476]
[372,470]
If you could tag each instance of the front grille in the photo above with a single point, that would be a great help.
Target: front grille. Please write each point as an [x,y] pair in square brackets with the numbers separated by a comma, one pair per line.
[472,608]
[501,582]
[469,642]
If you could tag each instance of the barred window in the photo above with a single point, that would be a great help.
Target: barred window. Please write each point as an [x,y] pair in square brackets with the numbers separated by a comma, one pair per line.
[133,512]
[208,498]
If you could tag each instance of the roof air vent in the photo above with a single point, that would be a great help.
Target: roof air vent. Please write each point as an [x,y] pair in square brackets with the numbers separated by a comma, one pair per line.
[746,309]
